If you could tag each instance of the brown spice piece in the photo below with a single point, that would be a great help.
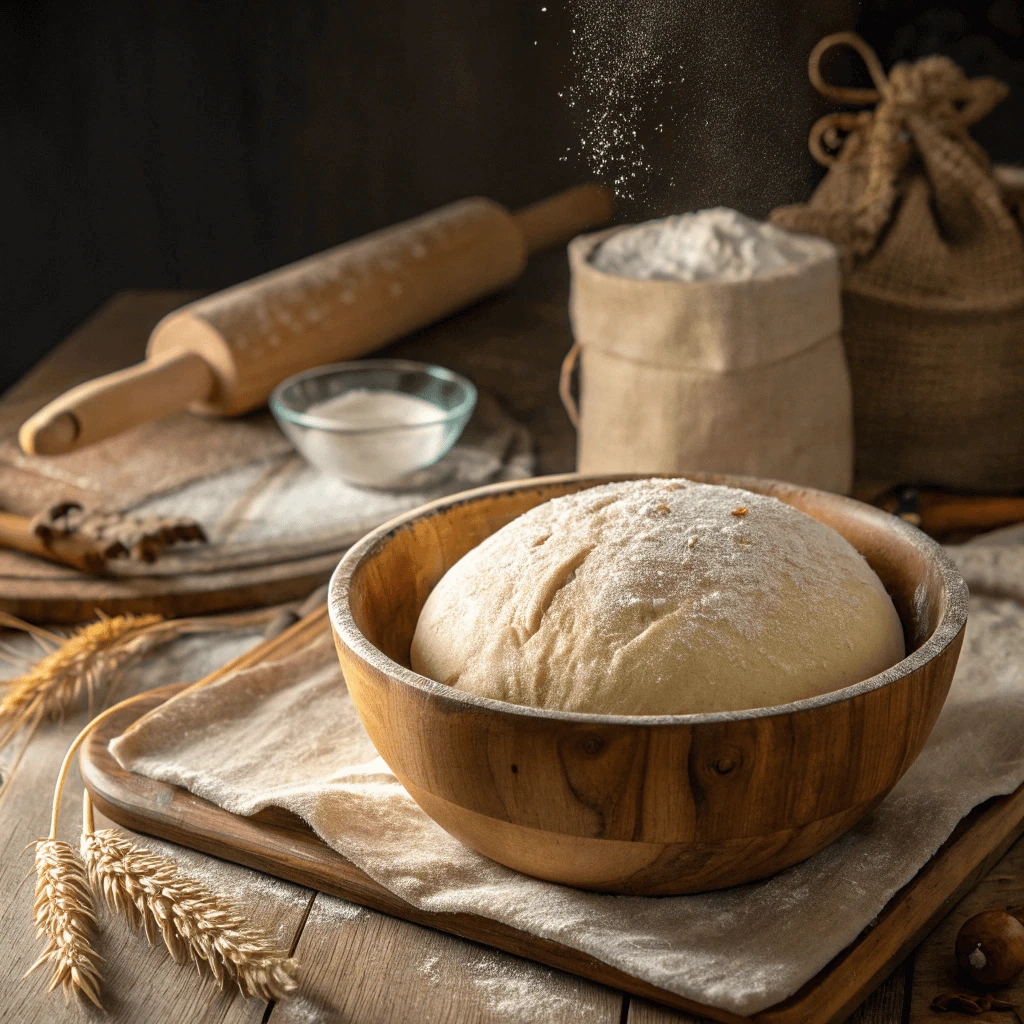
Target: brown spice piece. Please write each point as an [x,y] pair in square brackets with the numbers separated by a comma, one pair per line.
[740,512]
[972,1004]
[116,535]
[990,947]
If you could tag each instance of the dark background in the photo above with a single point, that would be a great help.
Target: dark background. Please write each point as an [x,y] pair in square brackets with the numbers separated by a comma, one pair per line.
[189,145]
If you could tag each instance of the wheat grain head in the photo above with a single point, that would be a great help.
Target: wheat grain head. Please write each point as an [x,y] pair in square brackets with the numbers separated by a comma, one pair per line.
[64,916]
[93,655]
[193,921]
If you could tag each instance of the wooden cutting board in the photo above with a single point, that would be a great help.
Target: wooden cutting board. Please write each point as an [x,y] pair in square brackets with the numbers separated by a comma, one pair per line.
[510,345]
[280,844]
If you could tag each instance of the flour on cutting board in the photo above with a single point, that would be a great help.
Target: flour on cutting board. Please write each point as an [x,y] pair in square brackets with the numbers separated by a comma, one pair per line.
[717,244]
[283,509]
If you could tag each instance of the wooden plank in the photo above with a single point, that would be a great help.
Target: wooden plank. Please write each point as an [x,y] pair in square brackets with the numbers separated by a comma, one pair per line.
[935,969]
[359,965]
[886,1004]
[281,844]
[643,1012]
[511,344]
[73,598]
[141,983]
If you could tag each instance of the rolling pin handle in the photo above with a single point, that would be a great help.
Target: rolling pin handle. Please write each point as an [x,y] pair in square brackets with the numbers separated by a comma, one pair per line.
[106,406]
[56,436]
[559,218]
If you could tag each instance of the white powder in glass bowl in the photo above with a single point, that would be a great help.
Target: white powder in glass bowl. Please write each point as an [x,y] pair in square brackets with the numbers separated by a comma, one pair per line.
[378,436]
[717,244]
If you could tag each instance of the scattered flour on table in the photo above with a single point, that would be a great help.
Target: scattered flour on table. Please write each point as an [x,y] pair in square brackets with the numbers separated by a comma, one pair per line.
[717,244]
[336,909]
[513,990]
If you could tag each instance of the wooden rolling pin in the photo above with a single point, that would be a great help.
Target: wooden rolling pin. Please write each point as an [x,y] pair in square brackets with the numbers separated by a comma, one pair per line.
[224,354]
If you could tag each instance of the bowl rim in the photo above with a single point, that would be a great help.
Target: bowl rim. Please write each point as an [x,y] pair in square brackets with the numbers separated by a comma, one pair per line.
[948,628]
[464,409]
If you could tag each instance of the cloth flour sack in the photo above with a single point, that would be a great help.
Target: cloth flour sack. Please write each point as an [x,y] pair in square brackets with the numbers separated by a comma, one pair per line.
[709,342]
[932,241]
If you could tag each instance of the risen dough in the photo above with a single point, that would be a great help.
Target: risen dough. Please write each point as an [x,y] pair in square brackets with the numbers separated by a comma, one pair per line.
[658,597]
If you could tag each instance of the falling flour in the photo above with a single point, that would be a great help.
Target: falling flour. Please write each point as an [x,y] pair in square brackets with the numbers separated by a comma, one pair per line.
[717,244]
[375,437]
[626,73]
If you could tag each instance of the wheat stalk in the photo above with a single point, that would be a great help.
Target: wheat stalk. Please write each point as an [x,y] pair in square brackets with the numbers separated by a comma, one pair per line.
[90,661]
[194,922]
[65,917]
[63,911]
[136,882]
[82,662]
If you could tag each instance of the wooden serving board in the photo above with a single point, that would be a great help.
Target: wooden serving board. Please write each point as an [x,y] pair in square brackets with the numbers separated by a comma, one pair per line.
[511,345]
[280,844]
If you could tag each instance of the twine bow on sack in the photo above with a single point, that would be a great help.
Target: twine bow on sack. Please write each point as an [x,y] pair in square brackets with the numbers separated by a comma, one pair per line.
[929,98]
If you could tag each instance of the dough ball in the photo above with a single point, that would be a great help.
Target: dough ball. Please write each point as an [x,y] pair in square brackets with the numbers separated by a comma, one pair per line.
[657,597]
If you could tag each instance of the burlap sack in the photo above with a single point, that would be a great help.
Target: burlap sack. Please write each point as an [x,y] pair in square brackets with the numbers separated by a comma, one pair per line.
[743,377]
[933,287]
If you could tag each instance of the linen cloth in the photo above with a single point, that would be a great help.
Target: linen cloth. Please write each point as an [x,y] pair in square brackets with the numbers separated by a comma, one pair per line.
[286,734]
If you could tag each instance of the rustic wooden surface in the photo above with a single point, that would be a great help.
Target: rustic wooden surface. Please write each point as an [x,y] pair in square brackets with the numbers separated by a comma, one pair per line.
[511,345]
[361,966]
[226,353]
[277,842]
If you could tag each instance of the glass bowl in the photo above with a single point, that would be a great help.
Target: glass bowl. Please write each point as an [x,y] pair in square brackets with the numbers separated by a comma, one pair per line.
[378,456]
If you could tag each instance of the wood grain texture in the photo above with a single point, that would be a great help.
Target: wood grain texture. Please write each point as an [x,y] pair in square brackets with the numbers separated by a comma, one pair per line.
[362,966]
[887,1003]
[280,844]
[510,344]
[141,983]
[643,1012]
[78,598]
[225,353]
[639,804]
[935,969]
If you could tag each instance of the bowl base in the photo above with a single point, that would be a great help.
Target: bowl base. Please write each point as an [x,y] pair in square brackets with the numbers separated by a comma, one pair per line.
[630,868]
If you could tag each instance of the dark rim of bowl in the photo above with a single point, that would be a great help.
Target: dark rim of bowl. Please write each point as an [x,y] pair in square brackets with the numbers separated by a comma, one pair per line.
[284,411]
[951,622]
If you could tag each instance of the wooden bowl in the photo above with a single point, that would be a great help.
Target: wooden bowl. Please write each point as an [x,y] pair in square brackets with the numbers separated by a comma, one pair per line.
[643,805]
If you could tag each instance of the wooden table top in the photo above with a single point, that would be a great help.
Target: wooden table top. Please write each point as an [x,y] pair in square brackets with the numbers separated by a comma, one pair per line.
[358,965]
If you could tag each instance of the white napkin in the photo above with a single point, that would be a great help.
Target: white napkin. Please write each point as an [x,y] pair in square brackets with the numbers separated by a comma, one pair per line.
[287,735]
